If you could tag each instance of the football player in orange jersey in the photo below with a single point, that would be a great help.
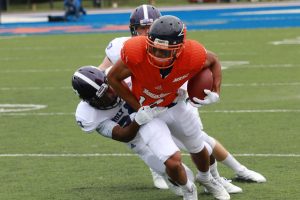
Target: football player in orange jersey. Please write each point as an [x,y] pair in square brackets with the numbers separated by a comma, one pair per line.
[140,20]
[159,65]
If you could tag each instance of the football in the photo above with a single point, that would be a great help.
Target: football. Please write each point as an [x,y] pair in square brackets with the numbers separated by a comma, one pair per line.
[196,85]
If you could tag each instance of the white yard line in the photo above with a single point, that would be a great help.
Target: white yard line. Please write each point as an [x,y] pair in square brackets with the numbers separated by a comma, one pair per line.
[223,85]
[225,65]
[264,66]
[259,84]
[11,108]
[35,88]
[254,111]
[202,111]
[34,114]
[36,70]
[127,155]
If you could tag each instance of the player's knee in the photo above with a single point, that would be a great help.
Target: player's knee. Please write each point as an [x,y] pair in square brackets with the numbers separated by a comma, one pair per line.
[173,163]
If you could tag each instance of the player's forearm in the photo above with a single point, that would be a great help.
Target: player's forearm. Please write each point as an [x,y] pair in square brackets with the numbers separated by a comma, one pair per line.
[106,63]
[117,74]
[217,77]
[125,134]
[124,92]
[215,67]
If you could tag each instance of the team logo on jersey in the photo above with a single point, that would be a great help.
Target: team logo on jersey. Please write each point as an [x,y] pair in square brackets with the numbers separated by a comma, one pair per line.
[80,124]
[180,78]
[109,46]
[155,96]
[158,87]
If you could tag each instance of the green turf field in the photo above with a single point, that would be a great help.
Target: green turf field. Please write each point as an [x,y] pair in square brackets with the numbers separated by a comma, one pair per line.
[258,114]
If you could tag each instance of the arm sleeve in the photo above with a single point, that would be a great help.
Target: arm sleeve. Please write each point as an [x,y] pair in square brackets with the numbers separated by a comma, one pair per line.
[105,128]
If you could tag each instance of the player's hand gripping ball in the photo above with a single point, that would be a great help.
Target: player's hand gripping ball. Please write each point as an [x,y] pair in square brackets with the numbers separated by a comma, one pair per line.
[203,80]
[199,89]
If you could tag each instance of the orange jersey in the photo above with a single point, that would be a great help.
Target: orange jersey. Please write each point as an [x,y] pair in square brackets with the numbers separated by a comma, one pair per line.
[147,84]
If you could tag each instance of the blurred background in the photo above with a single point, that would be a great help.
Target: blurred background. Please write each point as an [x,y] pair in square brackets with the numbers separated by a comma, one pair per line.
[44,5]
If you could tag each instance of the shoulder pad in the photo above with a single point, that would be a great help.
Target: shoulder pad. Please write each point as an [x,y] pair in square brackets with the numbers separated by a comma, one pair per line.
[113,49]
[133,51]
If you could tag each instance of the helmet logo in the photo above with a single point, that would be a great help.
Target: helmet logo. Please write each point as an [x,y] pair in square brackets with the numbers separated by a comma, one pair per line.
[182,31]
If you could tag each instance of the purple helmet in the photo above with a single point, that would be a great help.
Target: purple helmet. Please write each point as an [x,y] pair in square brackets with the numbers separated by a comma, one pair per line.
[143,15]
[90,84]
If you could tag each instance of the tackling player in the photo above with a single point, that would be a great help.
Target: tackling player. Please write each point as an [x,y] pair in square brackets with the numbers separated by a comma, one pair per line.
[101,110]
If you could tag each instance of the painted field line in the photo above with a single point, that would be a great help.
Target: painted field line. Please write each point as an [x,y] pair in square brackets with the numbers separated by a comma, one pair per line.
[250,66]
[223,85]
[10,108]
[35,88]
[128,155]
[37,70]
[259,84]
[34,114]
[38,48]
[225,65]
[203,111]
[254,111]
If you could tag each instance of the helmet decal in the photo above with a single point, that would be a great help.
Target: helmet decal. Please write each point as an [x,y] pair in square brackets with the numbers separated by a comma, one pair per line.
[86,79]
[145,11]
[143,15]
[182,31]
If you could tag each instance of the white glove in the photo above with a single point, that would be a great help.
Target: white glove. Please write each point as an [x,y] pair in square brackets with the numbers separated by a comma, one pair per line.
[211,97]
[145,114]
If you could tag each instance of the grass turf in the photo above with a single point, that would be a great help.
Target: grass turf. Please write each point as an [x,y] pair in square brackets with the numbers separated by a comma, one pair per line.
[38,69]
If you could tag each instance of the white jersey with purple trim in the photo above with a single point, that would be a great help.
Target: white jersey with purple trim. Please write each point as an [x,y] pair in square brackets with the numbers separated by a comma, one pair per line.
[113,49]
[148,141]
[103,121]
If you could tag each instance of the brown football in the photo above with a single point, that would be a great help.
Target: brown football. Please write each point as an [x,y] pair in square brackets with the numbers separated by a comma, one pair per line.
[196,85]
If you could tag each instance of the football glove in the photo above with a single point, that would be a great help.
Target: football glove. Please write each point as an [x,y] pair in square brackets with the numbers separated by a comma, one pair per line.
[211,97]
[145,114]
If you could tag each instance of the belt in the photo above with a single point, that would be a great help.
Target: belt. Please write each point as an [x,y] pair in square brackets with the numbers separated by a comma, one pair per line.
[171,105]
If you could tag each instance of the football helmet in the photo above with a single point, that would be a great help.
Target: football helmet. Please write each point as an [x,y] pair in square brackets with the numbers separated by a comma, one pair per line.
[143,15]
[90,84]
[165,41]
